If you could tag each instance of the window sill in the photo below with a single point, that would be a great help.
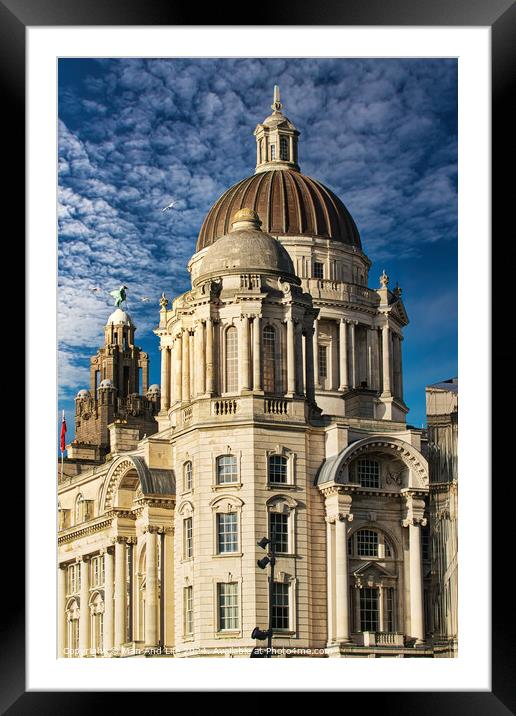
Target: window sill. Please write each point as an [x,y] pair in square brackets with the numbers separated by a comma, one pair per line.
[281,486]
[228,633]
[226,485]
[223,555]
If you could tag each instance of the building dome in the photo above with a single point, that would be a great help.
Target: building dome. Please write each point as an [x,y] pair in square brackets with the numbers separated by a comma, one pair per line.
[83,393]
[106,383]
[119,317]
[154,388]
[246,248]
[289,204]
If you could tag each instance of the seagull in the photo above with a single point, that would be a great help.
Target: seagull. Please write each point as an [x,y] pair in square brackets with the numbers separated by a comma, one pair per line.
[95,289]
[170,206]
[145,299]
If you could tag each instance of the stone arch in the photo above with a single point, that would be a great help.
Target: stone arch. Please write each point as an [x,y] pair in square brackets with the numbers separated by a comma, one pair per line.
[132,472]
[334,469]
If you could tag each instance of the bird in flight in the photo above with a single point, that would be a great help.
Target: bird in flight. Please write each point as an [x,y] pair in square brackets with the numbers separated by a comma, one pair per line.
[145,299]
[170,206]
[95,289]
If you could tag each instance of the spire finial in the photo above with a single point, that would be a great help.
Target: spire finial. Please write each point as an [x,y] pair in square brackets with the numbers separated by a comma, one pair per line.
[276,105]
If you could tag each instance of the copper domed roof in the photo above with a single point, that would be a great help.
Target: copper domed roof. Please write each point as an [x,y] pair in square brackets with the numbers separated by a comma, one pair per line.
[288,204]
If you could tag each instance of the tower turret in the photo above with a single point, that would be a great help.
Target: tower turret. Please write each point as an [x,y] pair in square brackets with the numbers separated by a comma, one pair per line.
[276,140]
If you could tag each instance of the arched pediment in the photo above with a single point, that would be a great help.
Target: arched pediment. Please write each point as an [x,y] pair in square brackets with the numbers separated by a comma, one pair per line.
[334,469]
[132,472]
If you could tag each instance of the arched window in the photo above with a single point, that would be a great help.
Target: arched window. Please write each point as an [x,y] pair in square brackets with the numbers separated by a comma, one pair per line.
[369,543]
[79,509]
[277,469]
[231,360]
[187,476]
[72,614]
[269,359]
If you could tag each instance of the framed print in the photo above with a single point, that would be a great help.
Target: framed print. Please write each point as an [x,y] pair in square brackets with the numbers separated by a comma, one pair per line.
[236,474]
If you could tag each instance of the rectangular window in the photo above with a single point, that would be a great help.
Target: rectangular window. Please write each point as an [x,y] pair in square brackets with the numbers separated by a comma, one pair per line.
[369,609]
[367,543]
[318,269]
[284,149]
[188,611]
[227,535]
[278,526]
[226,469]
[277,469]
[74,579]
[228,606]
[187,476]
[368,473]
[323,362]
[425,542]
[187,538]
[273,151]
[231,360]
[97,569]
[280,606]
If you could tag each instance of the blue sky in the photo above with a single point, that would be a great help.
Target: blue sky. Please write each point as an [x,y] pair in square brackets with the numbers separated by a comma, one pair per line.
[135,134]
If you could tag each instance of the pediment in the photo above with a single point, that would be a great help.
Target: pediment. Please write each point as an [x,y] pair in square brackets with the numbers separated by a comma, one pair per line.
[372,568]
[399,312]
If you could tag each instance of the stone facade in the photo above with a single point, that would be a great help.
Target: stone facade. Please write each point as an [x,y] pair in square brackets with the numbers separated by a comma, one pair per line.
[281,414]
[442,417]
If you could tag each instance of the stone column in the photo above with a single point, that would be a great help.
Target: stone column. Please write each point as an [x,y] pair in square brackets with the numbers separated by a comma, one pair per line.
[165,377]
[61,611]
[400,359]
[416,583]
[381,617]
[330,577]
[244,372]
[120,592]
[210,376]
[309,366]
[200,360]
[369,358]
[84,622]
[343,355]
[341,577]
[352,325]
[375,367]
[108,601]
[386,349]
[315,354]
[186,366]
[291,364]
[414,520]
[193,364]
[179,366]
[300,382]
[257,361]
[151,588]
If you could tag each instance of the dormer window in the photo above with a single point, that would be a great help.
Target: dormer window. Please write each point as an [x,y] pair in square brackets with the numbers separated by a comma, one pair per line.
[284,148]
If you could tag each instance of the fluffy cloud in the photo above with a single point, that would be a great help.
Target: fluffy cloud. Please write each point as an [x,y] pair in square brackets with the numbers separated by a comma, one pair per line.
[135,134]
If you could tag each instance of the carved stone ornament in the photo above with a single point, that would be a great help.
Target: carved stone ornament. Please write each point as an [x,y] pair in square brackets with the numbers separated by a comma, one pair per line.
[163,302]
[384,280]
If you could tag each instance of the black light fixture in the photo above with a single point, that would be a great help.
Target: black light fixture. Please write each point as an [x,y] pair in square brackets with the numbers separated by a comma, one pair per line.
[263,562]
[258,633]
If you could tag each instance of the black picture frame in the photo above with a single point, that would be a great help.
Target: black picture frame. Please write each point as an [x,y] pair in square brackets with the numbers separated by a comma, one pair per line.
[500,16]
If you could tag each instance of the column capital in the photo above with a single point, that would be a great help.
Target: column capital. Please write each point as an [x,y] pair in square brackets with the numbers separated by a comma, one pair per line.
[413,512]
[84,558]
[152,529]
[120,539]
[414,522]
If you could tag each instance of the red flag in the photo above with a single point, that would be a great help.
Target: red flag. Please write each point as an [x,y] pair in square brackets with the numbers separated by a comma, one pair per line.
[63,433]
